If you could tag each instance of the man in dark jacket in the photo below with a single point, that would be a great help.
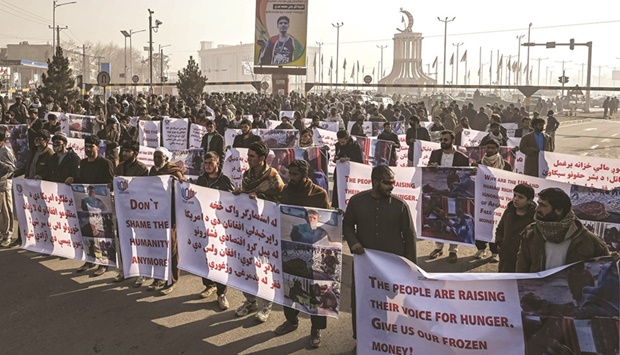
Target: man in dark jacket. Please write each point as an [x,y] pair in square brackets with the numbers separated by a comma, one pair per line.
[346,150]
[246,138]
[214,178]
[415,132]
[65,163]
[557,237]
[39,159]
[388,135]
[213,141]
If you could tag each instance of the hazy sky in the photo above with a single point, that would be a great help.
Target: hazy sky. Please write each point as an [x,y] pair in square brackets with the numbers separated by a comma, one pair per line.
[491,24]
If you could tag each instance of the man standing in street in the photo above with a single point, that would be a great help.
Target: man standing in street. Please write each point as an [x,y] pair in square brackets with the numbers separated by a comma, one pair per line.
[557,237]
[301,191]
[212,141]
[376,219]
[415,132]
[446,156]
[7,168]
[264,182]
[94,169]
[65,163]
[214,178]
[533,143]
[552,124]
[388,135]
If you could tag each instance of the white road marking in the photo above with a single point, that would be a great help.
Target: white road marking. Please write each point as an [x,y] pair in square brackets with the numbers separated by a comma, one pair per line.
[615,134]
[591,129]
[604,140]
[594,146]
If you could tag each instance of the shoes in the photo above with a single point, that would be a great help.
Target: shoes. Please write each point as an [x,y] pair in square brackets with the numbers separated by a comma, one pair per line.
[6,243]
[480,254]
[166,290]
[157,285]
[208,292]
[263,314]
[85,267]
[452,258]
[100,270]
[223,302]
[494,258]
[286,328]
[315,338]
[246,308]
[435,253]
[119,277]
[139,281]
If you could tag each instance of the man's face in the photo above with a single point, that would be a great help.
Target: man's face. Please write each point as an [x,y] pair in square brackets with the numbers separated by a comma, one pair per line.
[90,150]
[343,141]
[211,166]
[128,154]
[210,127]
[295,176]
[490,150]
[539,127]
[91,192]
[545,212]
[39,142]
[525,124]
[446,141]
[495,129]
[313,220]
[254,160]
[245,129]
[159,159]
[283,25]
[387,128]
[385,186]
[519,200]
[58,146]
[306,138]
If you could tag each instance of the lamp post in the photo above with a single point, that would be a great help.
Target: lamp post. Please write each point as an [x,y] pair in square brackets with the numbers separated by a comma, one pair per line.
[151,30]
[129,34]
[56,4]
[527,76]
[539,60]
[381,70]
[320,66]
[457,45]
[445,44]
[518,75]
[337,25]
[161,62]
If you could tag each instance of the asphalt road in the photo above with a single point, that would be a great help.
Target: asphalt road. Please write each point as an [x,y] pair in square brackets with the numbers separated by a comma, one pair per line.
[48,308]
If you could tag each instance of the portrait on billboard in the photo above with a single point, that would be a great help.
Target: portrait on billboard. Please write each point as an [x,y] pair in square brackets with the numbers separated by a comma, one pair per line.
[281,33]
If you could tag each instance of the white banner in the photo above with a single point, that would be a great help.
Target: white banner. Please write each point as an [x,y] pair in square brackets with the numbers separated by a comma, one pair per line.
[402,152]
[196,132]
[322,138]
[143,210]
[174,132]
[235,163]
[229,136]
[235,236]
[288,114]
[513,141]
[189,161]
[48,220]
[601,173]
[510,128]
[403,310]
[149,133]
[422,152]
[330,126]
[472,138]
[146,156]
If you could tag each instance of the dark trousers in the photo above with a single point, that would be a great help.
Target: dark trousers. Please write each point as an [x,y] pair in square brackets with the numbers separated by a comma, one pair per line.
[480,245]
[221,288]
[318,322]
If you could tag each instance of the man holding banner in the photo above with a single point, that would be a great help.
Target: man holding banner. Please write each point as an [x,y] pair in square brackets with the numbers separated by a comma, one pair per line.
[557,237]
[301,191]
[376,219]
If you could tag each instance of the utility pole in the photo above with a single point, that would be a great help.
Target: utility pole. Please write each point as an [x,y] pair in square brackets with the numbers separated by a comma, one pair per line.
[539,60]
[581,72]
[445,44]
[381,71]
[527,78]
[457,45]
[599,73]
[337,25]
[53,27]
[58,29]
[518,75]
[151,50]
[509,68]
[563,72]
[320,72]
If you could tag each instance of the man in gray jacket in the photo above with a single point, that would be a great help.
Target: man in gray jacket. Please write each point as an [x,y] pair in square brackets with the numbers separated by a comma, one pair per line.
[7,167]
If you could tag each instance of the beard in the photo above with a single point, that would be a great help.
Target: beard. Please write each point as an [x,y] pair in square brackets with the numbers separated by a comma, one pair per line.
[549,217]
[445,146]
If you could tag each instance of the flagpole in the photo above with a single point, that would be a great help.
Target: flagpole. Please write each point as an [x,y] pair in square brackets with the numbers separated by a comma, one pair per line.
[480,68]
[491,69]
[466,74]
[457,45]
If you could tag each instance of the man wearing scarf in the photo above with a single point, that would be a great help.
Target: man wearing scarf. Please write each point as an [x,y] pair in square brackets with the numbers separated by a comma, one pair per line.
[492,159]
[264,182]
[557,237]
[301,191]
[163,166]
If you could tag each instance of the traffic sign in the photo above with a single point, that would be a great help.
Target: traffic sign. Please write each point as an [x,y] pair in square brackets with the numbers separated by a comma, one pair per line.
[103,78]
[135,78]
[264,85]
[368,79]
[576,91]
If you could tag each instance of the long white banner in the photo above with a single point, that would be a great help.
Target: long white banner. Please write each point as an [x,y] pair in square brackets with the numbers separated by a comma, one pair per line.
[600,173]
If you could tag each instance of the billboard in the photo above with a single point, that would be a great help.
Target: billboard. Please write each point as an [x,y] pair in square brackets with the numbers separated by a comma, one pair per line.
[281,32]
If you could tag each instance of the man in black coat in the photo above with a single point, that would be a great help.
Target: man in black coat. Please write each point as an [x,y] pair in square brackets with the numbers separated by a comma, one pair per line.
[213,141]
[246,138]
[65,163]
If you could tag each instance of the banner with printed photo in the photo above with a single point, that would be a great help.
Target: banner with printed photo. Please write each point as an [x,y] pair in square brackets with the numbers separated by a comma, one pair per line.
[235,163]
[17,139]
[599,211]
[196,132]
[97,223]
[448,206]
[475,154]
[330,126]
[279,138]
[472,138]
[311,259]
[47,218]
[80,126]
[494,190]
[230,239]
[149,133]
[354,178]
[77,144]
[375,151]
[600,173]
[143,210]
[288,114]
[422,152]
[174,133]
[366,127]
[280,158]
[190,162]
[401,309]
[281,30]
[327,138]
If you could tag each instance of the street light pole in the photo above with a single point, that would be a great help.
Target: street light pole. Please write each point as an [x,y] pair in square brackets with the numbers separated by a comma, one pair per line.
[55,5]
[381,71]
[337,25]
[129,34]
[320,72]
[539,60]
[518,76]
[445,44]
[527,76]
[457,60]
